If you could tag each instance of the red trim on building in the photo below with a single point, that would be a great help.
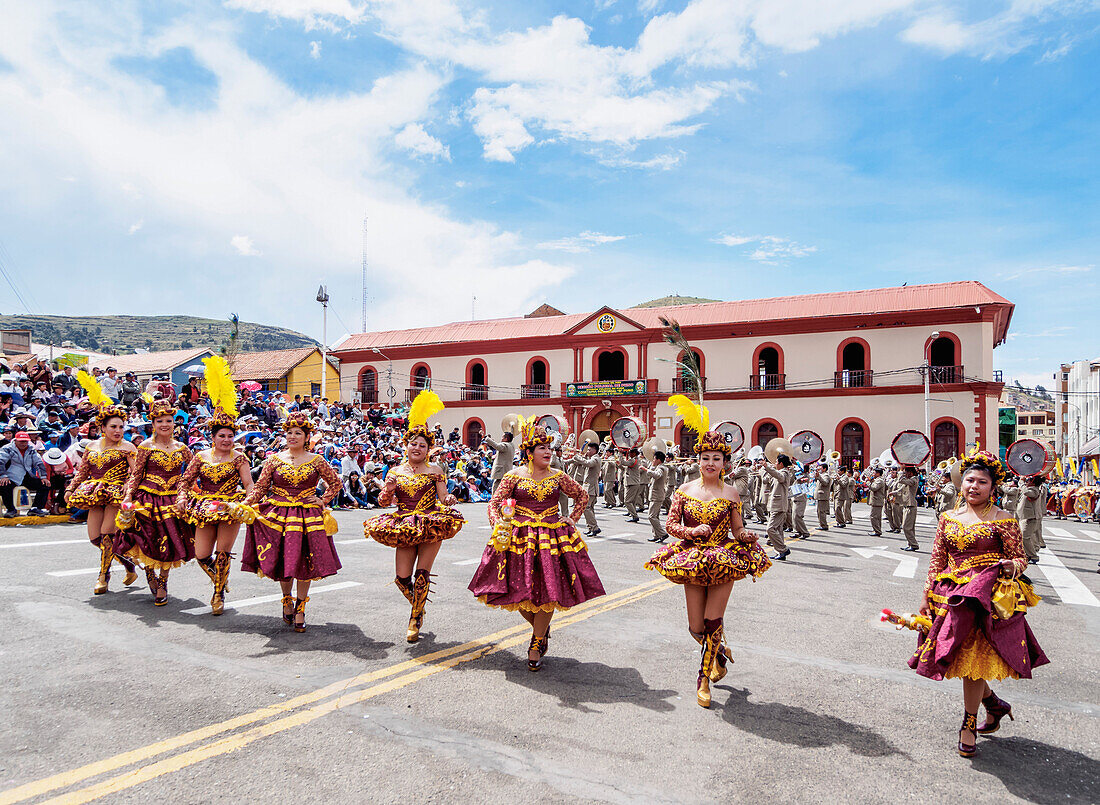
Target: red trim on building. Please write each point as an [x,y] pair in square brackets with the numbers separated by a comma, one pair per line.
[592,317]
[949,335]
[755,367]
[469,370]
[466,427]
[958,424]
[837,441]
[612,348]
[756,427]
[853,340]
[527,370]
[412,372]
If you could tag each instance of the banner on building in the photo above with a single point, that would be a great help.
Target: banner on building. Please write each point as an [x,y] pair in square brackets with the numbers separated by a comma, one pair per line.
[606,388]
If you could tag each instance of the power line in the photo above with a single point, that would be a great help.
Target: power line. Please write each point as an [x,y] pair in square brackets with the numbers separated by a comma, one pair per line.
[7,277]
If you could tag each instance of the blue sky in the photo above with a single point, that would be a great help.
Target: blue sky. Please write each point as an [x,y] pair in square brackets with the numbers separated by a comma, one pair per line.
[203,158]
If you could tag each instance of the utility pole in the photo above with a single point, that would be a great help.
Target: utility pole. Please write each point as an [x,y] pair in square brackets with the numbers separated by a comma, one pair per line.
[364,318]
[322,297]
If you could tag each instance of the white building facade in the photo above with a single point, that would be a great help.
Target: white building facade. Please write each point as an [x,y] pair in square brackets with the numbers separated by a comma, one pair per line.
[849,366]
[1078,409]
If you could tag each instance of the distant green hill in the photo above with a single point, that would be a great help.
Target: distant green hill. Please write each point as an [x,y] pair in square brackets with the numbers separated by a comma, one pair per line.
[123,334]
[675,299]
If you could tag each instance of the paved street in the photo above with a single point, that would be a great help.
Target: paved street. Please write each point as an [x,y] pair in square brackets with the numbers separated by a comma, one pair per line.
[108,697]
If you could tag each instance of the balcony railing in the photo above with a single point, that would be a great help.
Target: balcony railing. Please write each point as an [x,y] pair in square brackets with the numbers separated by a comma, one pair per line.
[767,382]
[687,385]
[410,394]
[853,378]
[945,374]
[475,391]
[530,391]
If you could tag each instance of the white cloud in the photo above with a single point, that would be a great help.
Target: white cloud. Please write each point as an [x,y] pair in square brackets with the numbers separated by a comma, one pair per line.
[329,14]
[243,245]
[206,175]
[1041,270]
[580,243]
[770,250]
[663,162]
[414,139]
[135,226]
[1008,31]
[315,49]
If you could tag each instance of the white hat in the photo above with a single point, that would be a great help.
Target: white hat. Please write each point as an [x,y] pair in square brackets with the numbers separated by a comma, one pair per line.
[54,457]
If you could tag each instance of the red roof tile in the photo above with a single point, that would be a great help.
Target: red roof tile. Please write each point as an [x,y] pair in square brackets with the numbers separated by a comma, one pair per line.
[941,296]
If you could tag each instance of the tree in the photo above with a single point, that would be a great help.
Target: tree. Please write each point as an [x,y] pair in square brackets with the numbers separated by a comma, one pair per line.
[186,345]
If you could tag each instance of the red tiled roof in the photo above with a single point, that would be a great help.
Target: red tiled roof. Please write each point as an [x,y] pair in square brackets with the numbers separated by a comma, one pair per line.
[146,362]
[941,296]
[270,365]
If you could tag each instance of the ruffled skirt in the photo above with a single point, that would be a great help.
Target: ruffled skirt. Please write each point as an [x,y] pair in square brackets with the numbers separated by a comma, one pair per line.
[402,529]
[289,542]
[95,494]
[205,510]
[157,539]
[543,569]
[684,562]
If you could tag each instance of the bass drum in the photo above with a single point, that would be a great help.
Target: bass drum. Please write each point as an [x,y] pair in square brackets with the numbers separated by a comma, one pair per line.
[808,446]
[1028,457]
[627,432]
[910,448]
[732,433]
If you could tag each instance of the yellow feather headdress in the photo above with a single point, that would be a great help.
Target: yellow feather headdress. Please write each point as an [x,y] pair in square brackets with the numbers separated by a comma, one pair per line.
[696,417]
[426,404]
[96,395]
[219,385]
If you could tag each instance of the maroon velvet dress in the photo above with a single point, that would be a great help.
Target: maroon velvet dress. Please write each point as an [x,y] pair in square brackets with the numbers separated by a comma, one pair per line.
[207,485]
[545,565]
[420,516]
[968,639]
[288,539]
[157,538]
[714,559]
[101,478]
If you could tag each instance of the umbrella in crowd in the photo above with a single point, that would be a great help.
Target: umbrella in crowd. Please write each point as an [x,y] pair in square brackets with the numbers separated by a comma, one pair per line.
[194,370]
[250,385]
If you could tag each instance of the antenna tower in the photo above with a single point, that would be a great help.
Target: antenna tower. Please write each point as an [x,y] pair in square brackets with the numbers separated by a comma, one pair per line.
[364,319]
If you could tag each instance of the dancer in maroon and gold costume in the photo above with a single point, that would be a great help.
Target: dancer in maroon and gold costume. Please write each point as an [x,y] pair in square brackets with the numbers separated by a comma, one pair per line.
[154,533]
[976,597]
[99,482]
[289,541]
[215,483]
[713,549]
[536,562]
[422,520]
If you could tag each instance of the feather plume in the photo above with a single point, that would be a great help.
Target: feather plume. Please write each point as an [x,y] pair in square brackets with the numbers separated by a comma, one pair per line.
[696,417]
[426,404]
[148,398]
[219,384]
[96,395]
[689,360]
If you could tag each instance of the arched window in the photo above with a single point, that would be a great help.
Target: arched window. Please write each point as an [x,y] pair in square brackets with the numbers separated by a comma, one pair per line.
[944,358]
[475,432]
[611,365]
[767,368]
[419,378]
[946,441]
[476,387]
[368,385]
[682,383]
[765,432]
[852,440]
[853,364]
[538,379]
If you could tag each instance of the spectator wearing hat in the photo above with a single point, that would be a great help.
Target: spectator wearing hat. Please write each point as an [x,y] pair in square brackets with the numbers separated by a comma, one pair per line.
[21,465]
[59,471]
[130,391]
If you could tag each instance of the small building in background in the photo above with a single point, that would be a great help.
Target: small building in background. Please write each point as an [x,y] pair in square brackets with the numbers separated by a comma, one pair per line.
[291,371]
[171,362]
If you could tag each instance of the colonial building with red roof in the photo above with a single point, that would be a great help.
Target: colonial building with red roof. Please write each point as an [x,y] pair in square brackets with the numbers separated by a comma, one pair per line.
[846,365]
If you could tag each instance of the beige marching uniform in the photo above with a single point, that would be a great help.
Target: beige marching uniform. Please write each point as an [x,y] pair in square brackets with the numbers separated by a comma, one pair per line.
[590,480]
[763,491]
[502,461]
[610,471]
[908,493]
[876,497]
[822,496]
[777,505]
[843,486]
[798,498]
[893,507]
[1028,513]
[634,486]
[658,483]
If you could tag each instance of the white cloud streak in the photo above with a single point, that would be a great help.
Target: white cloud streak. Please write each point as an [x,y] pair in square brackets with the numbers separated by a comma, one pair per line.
[580,243]
[1039,271]
[244,246]
[414,139]
[769,249]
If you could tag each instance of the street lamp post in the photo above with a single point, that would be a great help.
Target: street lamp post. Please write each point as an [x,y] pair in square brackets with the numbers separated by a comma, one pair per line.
[389,373]
[322,297]
[926,370]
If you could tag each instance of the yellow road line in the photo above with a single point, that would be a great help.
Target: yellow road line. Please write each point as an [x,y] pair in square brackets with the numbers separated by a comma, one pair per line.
[234,742]
[54,782]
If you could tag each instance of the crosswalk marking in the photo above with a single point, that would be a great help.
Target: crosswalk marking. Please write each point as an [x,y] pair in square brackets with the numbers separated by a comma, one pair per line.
[1068,586]
[265,599]
[1089,533]
[467,561]
[1058,532]
[84,571]
[47,542]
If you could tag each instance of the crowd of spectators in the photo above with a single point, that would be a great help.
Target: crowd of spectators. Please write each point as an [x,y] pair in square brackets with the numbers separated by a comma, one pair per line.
[47,419]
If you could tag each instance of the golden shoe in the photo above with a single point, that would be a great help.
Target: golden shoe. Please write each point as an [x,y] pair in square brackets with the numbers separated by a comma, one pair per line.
[702,691]
[217,604]
[131,577]
[413,632]
[101,585]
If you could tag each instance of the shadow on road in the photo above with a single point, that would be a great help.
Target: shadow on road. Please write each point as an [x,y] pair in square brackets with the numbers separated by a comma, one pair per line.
[578,684]
[1039,772]
[800,727]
